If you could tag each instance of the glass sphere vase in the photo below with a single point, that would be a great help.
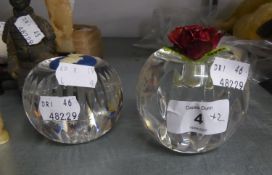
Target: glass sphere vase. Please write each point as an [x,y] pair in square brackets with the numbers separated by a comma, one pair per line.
[165,78]
[99,107]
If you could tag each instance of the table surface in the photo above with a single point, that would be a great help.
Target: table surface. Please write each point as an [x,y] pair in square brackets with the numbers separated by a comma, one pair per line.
[128,148]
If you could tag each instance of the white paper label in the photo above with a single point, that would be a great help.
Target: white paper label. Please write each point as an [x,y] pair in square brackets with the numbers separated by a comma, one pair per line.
[2,26]
[229,73]
[29,30]
[76,75]
[59,108]
[206,118]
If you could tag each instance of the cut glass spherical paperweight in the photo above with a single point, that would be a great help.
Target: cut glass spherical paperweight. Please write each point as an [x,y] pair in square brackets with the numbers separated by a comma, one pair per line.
[73,99]
[164,79]
[193,106]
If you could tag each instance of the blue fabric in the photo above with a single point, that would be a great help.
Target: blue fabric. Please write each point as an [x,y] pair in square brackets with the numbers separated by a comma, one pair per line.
[55,64]
[85,60]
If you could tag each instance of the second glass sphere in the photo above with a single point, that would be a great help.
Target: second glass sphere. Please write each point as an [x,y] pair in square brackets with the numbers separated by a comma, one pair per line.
[166,78]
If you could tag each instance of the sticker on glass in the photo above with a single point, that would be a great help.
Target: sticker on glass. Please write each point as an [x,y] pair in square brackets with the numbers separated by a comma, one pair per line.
[76,75]
[229,73]
[206,118]
[29,30]
[59,108]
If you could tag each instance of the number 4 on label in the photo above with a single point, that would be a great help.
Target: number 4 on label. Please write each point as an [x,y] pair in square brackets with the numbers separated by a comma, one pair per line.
[199,119]
[51,116]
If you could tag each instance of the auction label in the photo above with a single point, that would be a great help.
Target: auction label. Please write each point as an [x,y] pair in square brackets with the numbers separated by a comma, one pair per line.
[229,73]
[76,75]
[201,117]
[59,108]
[29,29]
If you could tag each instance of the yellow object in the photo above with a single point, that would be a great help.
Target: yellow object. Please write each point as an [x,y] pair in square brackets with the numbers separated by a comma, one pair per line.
[81,39]
[246,7]
[246,27]
[72,58]
[248,18]
[4,136]
[60,14]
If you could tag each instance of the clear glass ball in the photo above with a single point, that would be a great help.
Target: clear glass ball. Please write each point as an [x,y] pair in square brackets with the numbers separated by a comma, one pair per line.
[99,107]
[166,77]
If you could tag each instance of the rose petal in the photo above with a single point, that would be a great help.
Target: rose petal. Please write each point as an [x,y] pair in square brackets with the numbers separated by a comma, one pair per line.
[174,35]
[185,38]
[216,39]
[194,41]
[204,35]
[198,49]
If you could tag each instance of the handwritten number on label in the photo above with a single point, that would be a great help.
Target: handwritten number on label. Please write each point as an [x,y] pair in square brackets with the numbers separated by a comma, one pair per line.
[67,102]
[217,117]
[68,115]
[29,30]
[231,84]
[26,36]
[229,73]
[239,70]
[62,116]
[51,116]
[74,114]
[59,108]
[213,116]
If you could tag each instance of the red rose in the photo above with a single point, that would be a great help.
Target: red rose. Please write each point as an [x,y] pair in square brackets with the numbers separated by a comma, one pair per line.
[194,41]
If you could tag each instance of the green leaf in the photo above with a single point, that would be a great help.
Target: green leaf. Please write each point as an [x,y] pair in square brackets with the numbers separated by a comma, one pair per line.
[205,58]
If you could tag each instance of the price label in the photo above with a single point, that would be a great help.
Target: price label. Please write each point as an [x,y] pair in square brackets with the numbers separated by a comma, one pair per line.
[59,108]
[206,118]
[76,75]
[29,30]
[2,26]
[229,73]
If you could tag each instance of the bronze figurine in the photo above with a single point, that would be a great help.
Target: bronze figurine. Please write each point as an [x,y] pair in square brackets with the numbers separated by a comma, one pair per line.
[23,56]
